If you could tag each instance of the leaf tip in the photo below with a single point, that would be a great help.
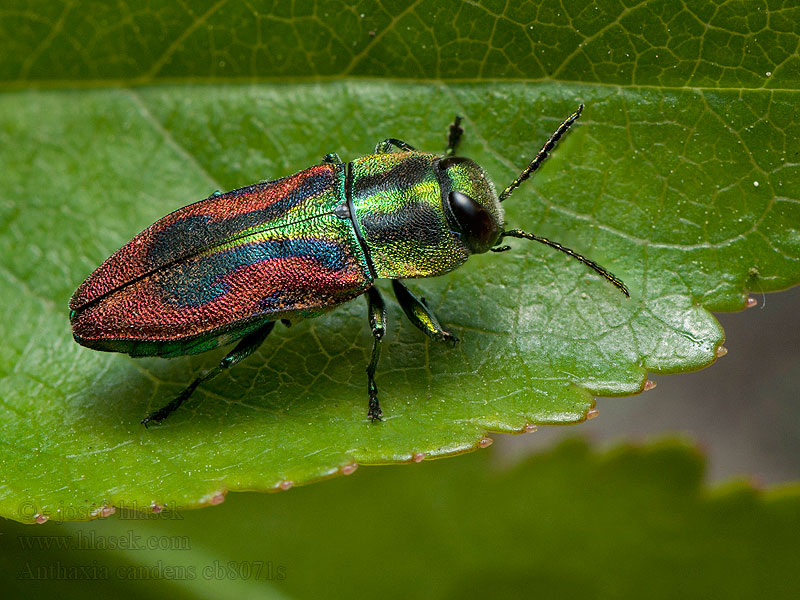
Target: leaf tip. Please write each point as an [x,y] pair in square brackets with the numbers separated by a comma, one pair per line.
[103,511]
[214,499]
[349,468]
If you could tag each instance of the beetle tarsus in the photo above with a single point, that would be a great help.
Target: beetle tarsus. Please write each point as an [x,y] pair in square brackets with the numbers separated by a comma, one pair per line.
[448,338]
[374,413]
[454,136]
[246,346]
[162,413]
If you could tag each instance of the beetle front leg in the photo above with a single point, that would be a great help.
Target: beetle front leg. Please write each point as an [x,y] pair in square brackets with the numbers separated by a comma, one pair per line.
[377,322]
[386,146]
[454,134]
[420,314]
[246,346]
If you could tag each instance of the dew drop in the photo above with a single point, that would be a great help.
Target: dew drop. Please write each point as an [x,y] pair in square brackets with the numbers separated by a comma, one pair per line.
[593,412]
[751,302]
[649,385]
[755,184]
[40,518]
[529,428]
[217,499]
[285,485]
[485,442]
[156,508]
[721,351]
[768,73]
[418,457]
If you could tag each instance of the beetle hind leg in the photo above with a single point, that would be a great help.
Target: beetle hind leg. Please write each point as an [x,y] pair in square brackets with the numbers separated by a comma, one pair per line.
[246,346]
[386,146]
[420,314]
[162,413]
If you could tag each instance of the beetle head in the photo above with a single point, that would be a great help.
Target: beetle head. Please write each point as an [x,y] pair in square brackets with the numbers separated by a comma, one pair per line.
[518,233]
[470,203]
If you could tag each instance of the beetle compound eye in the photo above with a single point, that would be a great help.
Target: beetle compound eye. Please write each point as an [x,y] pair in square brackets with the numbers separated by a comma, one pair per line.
[477,225]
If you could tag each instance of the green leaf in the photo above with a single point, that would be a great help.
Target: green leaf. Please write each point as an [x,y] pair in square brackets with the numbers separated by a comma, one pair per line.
[571,523]
[657,182]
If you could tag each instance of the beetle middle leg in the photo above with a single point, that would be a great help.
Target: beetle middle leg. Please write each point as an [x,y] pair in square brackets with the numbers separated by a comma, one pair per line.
[386,146]
[377,323]
[420,314]
[246,346]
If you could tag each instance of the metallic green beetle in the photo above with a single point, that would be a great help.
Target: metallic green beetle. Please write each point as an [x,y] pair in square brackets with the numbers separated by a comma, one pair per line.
[228,267]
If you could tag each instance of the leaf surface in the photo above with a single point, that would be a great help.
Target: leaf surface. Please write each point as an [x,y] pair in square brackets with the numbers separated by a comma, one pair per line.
[681,178]
[571,522]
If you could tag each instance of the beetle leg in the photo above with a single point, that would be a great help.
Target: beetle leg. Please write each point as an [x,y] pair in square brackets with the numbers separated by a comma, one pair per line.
[331,159]
[386,146]
[419,314]
[454,136]
[377,321]
[246,346]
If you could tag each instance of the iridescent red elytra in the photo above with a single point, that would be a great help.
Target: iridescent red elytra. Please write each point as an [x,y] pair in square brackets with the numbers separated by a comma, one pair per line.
[226,268]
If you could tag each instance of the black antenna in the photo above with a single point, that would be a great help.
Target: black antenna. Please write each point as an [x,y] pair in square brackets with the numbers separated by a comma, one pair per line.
[518,233]
[539,158]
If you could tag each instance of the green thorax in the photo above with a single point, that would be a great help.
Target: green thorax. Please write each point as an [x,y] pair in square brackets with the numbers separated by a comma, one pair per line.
[398,206]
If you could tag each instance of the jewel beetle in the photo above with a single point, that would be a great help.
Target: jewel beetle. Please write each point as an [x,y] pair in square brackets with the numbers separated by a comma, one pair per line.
[227,268]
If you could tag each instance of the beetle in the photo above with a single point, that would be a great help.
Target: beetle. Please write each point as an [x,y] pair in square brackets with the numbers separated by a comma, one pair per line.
[227,268]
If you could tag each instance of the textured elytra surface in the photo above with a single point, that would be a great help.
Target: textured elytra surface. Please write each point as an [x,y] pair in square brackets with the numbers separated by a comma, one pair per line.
[657,183]
[209,273]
